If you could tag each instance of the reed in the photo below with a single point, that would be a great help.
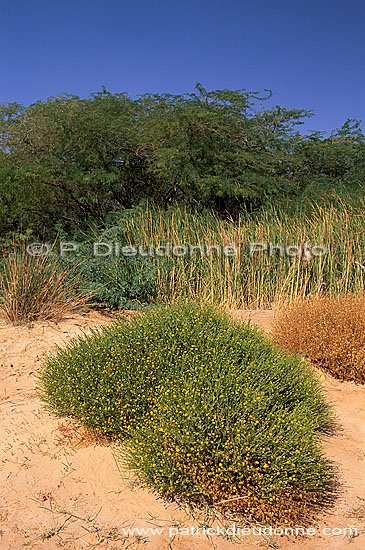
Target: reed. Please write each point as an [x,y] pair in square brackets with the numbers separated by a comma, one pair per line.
[258,280]
[37,287]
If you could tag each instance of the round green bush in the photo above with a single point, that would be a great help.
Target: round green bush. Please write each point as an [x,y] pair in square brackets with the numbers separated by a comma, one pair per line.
[211,411]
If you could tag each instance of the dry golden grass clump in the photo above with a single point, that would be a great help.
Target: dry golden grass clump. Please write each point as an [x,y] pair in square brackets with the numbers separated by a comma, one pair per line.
[329,332]
[37,287]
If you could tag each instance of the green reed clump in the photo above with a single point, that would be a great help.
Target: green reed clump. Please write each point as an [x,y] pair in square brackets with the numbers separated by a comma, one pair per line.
[210,410]
[242,280]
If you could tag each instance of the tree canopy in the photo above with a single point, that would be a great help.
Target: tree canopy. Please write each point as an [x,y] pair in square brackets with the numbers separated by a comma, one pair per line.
[70,160]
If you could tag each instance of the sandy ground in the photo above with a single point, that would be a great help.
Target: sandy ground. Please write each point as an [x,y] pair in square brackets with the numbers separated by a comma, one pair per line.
[59,489]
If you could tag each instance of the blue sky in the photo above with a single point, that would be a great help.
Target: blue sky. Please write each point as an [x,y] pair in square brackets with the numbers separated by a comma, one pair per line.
[311,54]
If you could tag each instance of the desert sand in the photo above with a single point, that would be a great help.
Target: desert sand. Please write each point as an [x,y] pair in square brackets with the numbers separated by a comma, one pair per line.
[59,488]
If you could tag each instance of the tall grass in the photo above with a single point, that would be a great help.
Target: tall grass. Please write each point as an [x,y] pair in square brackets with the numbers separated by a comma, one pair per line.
[37,287]
[257,281]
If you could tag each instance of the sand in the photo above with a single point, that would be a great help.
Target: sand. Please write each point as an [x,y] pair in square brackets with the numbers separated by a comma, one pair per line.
[61,489]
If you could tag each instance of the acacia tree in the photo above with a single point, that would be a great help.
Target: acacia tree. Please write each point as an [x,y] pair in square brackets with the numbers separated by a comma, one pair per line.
[217,149]
[336,161]
[73,160]
[76,153]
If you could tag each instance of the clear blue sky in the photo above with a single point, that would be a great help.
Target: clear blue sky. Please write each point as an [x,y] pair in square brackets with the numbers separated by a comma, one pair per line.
[311,54]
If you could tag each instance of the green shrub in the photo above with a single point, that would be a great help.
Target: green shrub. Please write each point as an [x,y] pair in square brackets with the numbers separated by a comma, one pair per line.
[119,283]
[211,412]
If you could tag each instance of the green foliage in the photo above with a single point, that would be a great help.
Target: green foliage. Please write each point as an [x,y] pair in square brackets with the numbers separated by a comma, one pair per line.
[119,282]
[219,149]
[210,410]
[330,163]
[73,160]
[238,281]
